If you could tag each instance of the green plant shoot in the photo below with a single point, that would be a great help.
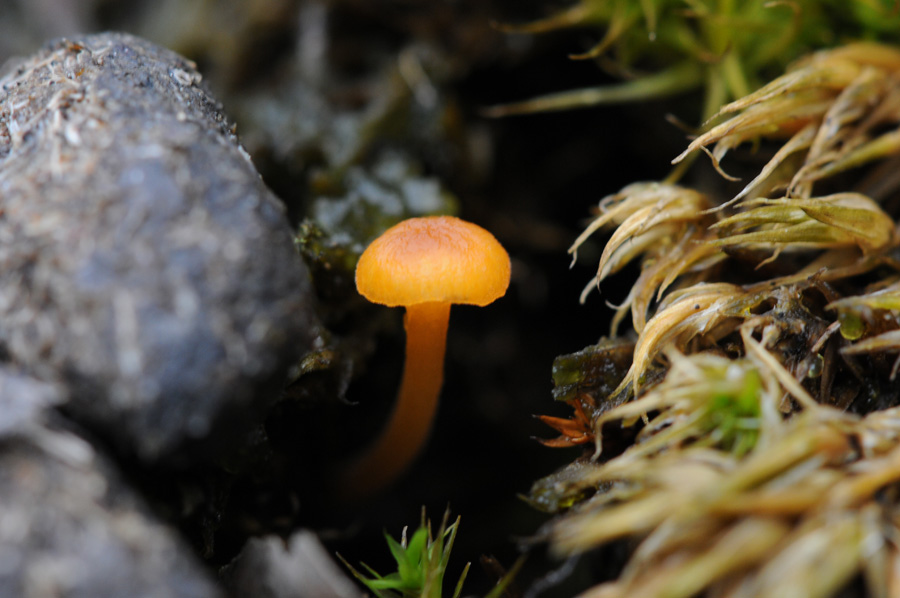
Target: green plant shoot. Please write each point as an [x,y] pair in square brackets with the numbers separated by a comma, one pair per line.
[421,563]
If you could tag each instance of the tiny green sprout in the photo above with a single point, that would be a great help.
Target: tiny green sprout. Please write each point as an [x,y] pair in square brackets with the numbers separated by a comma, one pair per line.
[732,419]
[421,563]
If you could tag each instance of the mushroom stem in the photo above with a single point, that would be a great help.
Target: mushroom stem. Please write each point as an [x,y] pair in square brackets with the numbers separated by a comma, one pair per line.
[411,420]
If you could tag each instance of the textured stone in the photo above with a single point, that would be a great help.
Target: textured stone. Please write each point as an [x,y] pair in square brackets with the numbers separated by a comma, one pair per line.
[143,263]
[24,402]
[69,528]
[269,567]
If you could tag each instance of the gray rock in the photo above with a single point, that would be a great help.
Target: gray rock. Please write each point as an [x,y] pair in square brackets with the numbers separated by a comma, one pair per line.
[69,528]
[143,263]
[269,567]
[24,402]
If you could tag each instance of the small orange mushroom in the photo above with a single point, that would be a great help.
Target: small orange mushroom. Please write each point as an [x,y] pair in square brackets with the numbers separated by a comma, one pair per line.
[424,264]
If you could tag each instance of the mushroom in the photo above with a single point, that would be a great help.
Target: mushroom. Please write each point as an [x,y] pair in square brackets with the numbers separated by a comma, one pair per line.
[424,264]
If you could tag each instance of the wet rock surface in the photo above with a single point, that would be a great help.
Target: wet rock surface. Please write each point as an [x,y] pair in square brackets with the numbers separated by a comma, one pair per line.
[144,266]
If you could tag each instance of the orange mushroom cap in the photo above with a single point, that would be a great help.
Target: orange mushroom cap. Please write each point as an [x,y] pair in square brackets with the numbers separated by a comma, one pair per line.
[433,259]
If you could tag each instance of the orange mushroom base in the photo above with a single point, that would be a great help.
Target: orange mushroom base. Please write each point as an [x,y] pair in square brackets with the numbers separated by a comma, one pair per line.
[413,417]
